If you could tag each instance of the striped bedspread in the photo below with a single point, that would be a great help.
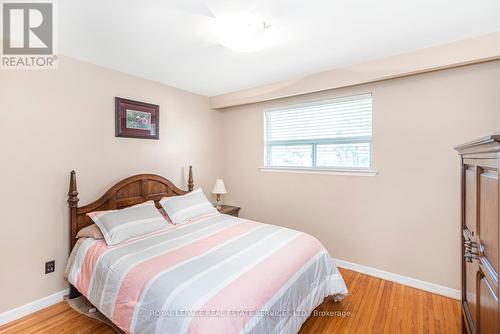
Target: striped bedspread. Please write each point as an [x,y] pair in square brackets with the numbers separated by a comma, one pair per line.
[218,274]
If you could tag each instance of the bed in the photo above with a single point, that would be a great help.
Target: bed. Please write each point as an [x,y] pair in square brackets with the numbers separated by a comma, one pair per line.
[215,274]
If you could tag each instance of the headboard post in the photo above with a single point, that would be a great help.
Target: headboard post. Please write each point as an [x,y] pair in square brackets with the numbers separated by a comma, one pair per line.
[190,179]
[73,206]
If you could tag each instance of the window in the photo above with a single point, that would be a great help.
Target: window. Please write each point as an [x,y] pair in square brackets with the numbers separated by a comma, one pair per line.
[332,134]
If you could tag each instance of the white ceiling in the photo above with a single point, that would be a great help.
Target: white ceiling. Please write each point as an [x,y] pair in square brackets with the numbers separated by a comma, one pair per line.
[174,41]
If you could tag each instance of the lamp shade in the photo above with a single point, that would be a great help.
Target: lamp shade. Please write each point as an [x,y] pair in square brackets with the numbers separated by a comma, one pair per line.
[219,187]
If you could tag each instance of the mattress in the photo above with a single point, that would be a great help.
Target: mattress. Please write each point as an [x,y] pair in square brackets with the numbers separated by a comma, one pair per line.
[216,274]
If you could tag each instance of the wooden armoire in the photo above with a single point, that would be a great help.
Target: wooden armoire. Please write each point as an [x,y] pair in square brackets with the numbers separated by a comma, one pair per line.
[480,235]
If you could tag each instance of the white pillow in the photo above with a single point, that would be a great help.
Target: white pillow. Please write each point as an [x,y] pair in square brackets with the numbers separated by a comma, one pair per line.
[183,208]
[121,225]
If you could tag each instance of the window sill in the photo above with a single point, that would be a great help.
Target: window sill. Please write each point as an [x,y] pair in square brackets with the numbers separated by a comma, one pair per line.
[329,171]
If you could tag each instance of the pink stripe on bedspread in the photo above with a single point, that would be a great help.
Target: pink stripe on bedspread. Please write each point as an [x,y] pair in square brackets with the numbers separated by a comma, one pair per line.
[96,251]
[264,281]
[87,270]
[136,279]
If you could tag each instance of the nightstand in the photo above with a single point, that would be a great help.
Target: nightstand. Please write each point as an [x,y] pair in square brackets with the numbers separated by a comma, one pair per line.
[229,210]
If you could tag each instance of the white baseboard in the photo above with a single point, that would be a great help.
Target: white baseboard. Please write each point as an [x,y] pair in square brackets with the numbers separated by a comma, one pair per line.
[413,282]
[34,306]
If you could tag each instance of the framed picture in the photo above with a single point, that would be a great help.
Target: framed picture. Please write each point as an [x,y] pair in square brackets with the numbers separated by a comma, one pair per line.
[136,119]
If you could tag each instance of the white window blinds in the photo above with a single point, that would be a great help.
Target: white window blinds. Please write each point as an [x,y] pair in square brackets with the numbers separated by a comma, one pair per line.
[327,134]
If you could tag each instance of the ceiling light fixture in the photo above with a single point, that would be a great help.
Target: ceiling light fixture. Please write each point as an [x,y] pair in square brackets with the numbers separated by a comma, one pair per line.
[242,34]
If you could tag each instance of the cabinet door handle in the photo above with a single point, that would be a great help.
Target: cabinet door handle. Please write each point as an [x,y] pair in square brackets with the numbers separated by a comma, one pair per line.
[469,256]
[470,244]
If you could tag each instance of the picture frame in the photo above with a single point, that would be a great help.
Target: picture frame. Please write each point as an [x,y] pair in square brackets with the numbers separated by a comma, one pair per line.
[135,119]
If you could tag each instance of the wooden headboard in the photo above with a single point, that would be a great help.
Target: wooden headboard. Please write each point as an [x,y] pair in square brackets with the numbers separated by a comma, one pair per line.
[130,191]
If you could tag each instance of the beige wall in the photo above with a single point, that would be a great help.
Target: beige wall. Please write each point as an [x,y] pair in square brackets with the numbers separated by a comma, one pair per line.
[55,121]
[406,219]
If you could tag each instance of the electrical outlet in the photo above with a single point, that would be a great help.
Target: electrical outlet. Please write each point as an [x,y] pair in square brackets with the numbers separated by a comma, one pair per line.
[50,267]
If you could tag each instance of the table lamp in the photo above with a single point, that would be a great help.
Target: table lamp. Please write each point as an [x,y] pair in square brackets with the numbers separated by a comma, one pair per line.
[218,190]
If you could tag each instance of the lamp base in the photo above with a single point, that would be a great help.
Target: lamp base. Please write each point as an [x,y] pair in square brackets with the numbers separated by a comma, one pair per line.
[219,206]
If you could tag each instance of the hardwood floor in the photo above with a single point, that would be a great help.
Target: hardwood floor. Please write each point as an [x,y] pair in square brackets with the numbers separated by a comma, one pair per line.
[373,306]
[378,306]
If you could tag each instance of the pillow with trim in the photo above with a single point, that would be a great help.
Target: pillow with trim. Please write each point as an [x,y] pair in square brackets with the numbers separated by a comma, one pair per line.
[121,225]
[184,208]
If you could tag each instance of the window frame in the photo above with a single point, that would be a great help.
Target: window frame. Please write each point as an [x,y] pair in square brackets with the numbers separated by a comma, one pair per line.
[314,168]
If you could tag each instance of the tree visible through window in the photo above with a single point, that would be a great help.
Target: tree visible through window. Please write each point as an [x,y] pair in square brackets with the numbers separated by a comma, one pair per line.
[326,134]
